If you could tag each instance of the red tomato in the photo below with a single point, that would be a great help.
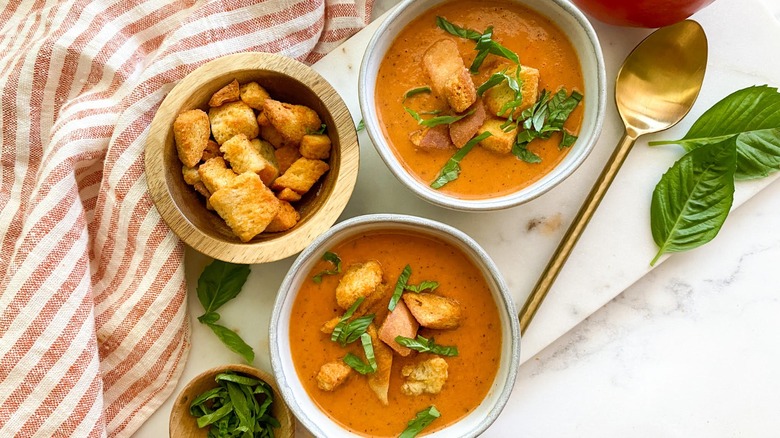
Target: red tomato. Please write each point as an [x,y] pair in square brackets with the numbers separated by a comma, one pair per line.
[641,13]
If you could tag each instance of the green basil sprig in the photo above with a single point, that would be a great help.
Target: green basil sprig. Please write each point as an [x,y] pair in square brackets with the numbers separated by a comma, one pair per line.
[420,422]
[415,91]
[485,43]
[451,169]
[356,363]
[424,345]
[544,117]
[328,257]
[400,285]
[219,283]
[424,285]
[436,121]
[345,332]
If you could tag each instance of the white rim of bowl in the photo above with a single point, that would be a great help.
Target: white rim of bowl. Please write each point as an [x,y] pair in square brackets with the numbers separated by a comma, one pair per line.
[383,148]
[412,222]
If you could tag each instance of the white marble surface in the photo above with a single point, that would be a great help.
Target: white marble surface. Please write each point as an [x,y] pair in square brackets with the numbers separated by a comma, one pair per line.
[687,351]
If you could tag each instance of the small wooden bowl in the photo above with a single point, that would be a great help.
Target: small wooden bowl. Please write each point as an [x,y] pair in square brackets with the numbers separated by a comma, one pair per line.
[185,212]
[184,425]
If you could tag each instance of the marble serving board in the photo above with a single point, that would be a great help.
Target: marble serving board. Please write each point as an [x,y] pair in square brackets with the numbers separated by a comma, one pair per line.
[613,253]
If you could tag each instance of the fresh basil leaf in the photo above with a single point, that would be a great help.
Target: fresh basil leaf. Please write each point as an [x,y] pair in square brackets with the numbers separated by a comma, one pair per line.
[368,349]
[219,283]
[361,126]
[343,320]
[354,329]
[209,318]
[451,169]
[424,345]
[458,31]
[240,407]
[335,260]
[561,107]
[235,378]
[416,91]
[357,364]
[426,284]
[486,45]
[494,80]
[567,140]
[436,121]
[400,285]
[320,131]
[752,115]
[233,341]
[211,418]
[420,422]
[430,113]
[214,393]
[693,198]
[414,115]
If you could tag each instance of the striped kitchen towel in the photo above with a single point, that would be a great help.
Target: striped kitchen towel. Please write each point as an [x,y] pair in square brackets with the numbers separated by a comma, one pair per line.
[93,323]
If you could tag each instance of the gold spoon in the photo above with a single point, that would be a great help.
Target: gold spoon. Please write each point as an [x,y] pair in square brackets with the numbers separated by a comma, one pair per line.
[655,88]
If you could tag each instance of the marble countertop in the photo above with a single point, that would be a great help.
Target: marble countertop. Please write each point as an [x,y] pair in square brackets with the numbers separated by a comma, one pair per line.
[688,350]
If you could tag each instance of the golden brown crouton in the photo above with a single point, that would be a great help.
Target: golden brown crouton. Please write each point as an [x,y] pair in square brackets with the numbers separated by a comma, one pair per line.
[228,93]
[285,219]
[247,206]
[267,151]
[286,156]
[201,188]
[332,375]
[315,146]
[399,322]
[500,142]
[273,136]
[211,151]
[426,377]
[359,281]
[215,174]
[302,175]
[191,175]
[253,95]
[496,97]
[191,133]
[288,195]
[262,119]
[330,325]
[242,156]
[379,382]
[231,119]
[434,311]
[449,77]
[434,138]
[464,129]
[292,121]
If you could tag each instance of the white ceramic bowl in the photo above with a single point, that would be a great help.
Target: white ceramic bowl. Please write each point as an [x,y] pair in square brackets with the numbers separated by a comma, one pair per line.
[289,384]
[582,36]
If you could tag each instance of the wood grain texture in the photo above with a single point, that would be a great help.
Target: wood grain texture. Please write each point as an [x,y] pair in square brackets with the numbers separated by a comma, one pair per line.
[184,425]
[286,80]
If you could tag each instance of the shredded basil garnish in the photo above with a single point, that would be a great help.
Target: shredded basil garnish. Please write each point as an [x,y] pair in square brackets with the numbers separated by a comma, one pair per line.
[329,257]
[435,121]
[451,169]
[400,284]
[416,91]
[424,345]
[426,284]
[343,320]
[420,422]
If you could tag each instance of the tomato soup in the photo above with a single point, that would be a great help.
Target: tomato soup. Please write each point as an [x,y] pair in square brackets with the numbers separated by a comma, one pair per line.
[538,44]
[478,338]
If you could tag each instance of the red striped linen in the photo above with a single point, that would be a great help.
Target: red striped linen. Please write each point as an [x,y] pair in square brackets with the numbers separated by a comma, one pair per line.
[93,323]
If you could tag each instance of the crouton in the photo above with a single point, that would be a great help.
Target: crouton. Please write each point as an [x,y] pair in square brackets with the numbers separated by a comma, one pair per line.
[315,146]
[332,375]
[190,174]
[211,151]
[231,119]
[215,174]
[464,129]
[302,175]
[288,195]
[286,156]
[285,219]
[500,142]
[262,119]
[449,77]
[243,156]
[434,138]
[191,134]
[399,322]
[247,206]
[379,382]
[292,121]
[201,188]
[434,311]
[330,325]
[228,93]
[253,95]
[359,281]
[496,97]
[267,151]
[273,136]
[426,377]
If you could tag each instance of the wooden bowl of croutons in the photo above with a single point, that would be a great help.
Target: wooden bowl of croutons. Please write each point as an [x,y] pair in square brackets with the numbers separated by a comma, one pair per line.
[250,157]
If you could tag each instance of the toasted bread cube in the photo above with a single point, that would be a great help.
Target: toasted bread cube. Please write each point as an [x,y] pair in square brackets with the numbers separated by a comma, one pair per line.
[429,139]
[231,119]
[190,174]
[449,77]
[315,146]
[247,206]
[228,93]
[434,311]
[288,195]
[285,219]
[399,322]
[267,151]
[426,377]
[302,175]
[215,174]
[500,142]
[332,375]
[211,151]
[286,156]
[496,97]
[379,382]
[464,129]
[359,281]
[292,121]
[191,133]
[201,188]
[262,119]
[273,136]
[242,156]
[330,325]
[253,95]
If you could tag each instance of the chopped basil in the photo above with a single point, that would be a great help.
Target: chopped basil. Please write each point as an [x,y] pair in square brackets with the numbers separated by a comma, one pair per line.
[357,364]
[329,257]
[544,117]
[486,45]
[361,126]
[456,30]
[451,169]
[426,284]
[352,330]
[435,121]
[343,320]
[320,131]
[416,91]
[400,284]
[424,345]
[420,422]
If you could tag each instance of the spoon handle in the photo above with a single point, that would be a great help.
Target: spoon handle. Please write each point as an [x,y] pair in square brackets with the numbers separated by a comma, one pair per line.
[575,230]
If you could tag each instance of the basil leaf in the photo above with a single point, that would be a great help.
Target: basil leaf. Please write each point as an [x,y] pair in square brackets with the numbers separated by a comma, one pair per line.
[435,121]
[458,31]
[354,329]
[400,285]
[416,91]
[219,283]
[320,131]
[209,318]
[240,407]
[693,198]
[218,392]
[368,349]
[752,115]
[420,422]
[451,169]
[211,418]
[357,364]
[233,341]
[567,140]
[328,257]
[486,45]
[235,378]
[426,284]
[361,126]
[424,345]
[561,107]
[494,80]
[343,320]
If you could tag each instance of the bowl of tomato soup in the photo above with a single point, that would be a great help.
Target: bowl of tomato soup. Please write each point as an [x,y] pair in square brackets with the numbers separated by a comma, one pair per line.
[483,105]
[442,362]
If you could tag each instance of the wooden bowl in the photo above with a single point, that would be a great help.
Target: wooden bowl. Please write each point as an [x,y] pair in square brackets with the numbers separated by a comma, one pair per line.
[184,425]
[185,212]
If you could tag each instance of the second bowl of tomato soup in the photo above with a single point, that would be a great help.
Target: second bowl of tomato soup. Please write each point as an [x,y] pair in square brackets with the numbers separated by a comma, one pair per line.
[392,325]
[483,105]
